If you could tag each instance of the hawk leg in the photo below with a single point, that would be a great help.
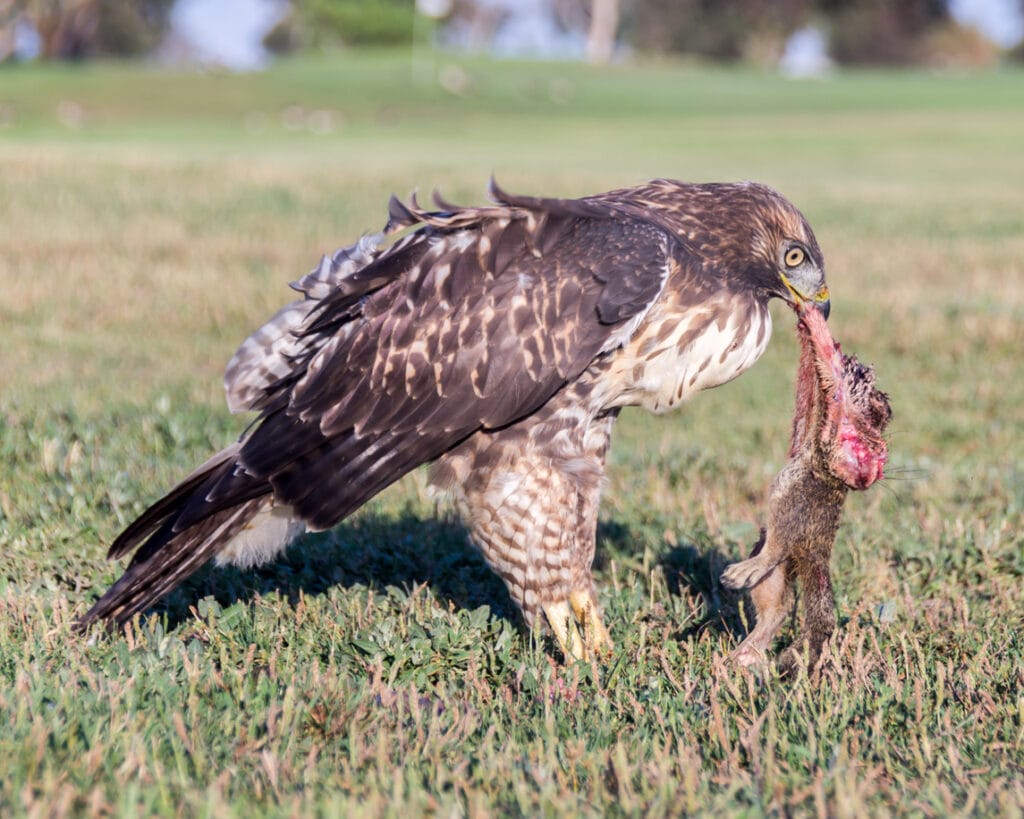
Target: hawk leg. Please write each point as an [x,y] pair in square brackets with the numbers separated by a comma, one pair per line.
[588,614]
[578,627]
[531,509]
[563,625]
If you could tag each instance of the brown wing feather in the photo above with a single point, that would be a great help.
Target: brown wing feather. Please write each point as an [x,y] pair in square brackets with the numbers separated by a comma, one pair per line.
[370,409]
[472,321]
[147,580]
[157,514]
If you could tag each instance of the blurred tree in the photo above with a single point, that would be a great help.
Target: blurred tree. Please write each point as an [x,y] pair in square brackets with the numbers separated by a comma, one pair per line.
[77,29]
[1017,52]
[345,22]
[477,23]
[860,31]
[284,37]
[950,45]
[881,32]
[715,29]
[67,28]
[604,25]
[10,17]
[131,27]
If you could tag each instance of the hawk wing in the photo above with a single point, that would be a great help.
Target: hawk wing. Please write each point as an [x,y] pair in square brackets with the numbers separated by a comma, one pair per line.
[472,322]
[269,354]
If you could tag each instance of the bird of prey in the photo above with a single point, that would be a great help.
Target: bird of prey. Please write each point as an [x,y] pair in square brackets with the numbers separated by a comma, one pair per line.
[497,344]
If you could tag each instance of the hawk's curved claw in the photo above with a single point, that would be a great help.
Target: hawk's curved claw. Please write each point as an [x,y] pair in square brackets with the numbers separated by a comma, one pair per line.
[568,618]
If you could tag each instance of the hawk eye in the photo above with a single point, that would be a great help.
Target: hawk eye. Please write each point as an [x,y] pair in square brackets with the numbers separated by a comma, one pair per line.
[795,256]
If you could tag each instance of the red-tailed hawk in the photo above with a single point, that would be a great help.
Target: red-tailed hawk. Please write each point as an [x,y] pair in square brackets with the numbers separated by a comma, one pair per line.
[497,344]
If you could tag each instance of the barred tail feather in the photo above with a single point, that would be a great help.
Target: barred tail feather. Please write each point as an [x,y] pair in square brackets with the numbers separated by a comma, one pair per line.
[147,580]
[170,504]
[179,533]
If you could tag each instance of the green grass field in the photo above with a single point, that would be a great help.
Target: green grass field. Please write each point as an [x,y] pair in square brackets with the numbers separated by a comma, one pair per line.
[149,221]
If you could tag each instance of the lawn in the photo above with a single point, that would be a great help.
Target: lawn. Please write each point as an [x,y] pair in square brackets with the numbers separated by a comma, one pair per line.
[149,220]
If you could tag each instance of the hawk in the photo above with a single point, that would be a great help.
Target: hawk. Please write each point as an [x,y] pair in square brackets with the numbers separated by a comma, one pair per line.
[497,344]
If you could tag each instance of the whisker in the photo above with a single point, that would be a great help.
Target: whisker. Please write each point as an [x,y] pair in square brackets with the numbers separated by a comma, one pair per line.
[888,487]
[907,473]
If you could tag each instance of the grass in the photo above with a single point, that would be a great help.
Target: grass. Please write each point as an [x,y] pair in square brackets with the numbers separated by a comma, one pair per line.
[150,220]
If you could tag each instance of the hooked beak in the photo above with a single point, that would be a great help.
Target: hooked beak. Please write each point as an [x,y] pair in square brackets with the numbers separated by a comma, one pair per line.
[800,301]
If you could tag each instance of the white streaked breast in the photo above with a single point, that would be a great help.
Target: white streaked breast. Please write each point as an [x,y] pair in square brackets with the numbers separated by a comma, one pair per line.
[683,364]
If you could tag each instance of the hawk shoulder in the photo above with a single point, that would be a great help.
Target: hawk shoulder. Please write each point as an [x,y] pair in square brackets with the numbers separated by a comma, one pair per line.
[472,321]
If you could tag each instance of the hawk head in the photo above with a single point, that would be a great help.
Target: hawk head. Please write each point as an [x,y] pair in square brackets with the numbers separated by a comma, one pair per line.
[748,235]
[785,260]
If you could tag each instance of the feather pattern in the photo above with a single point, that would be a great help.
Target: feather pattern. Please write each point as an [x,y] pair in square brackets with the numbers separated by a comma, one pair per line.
[495,341]
[494,358]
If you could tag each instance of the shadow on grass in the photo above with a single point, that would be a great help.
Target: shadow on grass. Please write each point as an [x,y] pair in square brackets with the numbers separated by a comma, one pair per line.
[692,570]
[405,551]
[374,551]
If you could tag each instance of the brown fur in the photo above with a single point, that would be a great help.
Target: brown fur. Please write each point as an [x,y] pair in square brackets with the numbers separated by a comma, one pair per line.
[837,406]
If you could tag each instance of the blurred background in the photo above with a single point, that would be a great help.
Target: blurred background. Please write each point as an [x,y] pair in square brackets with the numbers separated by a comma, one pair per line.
[166,166]
[796,36]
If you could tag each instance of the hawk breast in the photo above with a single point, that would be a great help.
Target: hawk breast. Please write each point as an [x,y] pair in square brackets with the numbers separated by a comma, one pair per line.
[680,351]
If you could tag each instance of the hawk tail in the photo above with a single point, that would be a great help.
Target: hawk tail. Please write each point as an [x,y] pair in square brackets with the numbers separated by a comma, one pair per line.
[178,534]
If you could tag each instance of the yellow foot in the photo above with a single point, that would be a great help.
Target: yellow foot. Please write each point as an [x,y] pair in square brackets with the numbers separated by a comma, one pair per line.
[563,624]
[566,618]
[595,636]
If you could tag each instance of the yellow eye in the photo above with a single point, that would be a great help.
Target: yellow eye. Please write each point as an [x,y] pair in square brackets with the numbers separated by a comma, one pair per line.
[795,257]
